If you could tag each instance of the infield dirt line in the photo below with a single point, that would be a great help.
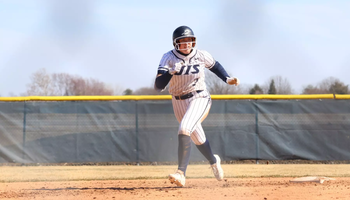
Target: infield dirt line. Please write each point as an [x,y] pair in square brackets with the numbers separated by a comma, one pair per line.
[120,172]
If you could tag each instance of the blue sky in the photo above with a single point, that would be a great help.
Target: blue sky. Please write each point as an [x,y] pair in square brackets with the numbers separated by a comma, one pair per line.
[122,42]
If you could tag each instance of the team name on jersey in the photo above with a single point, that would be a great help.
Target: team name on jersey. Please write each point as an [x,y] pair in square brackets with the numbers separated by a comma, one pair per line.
[188,69]
[191,75]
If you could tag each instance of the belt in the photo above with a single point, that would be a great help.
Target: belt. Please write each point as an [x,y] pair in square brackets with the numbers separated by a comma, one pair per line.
[186,96]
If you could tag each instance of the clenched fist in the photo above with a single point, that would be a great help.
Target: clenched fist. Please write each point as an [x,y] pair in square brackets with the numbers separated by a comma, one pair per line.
[176,68]
[232,81]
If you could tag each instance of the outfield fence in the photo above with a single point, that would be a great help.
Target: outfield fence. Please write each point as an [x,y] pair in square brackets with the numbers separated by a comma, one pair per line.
[144,129]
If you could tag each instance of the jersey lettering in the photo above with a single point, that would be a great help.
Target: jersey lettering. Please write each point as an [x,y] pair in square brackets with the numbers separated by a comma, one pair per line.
[195,67]
[190,76]
[181,70]
[188,70]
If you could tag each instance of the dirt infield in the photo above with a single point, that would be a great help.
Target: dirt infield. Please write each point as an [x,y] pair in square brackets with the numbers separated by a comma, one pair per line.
[246,182]
[232,188]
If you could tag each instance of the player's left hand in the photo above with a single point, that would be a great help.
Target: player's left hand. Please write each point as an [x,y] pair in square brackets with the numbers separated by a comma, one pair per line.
[176,68]
[232,81]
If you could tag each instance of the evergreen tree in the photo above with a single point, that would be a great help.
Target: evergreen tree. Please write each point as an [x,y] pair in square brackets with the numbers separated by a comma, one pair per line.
[272,88]
[127,92]
[256,90]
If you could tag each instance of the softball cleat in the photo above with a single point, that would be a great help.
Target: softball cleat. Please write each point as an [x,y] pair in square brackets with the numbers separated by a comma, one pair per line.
[178,178]
[217,170]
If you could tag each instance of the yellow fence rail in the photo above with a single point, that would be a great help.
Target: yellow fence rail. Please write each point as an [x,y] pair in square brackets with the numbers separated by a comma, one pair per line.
[168,97]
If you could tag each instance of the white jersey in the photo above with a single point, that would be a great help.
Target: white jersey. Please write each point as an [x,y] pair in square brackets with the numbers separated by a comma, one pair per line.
[191,76]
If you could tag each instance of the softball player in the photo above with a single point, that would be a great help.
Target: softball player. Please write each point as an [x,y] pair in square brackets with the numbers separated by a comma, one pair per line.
[183,69]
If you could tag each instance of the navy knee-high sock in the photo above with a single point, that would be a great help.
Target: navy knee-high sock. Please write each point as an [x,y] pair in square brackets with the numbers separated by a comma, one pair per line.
[184,151]
[206,151]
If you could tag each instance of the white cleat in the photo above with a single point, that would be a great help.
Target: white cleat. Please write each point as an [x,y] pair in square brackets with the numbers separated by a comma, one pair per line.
[178,178]
[217,170]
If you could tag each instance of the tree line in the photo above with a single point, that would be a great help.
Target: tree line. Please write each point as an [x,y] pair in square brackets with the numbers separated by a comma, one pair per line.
[63,84]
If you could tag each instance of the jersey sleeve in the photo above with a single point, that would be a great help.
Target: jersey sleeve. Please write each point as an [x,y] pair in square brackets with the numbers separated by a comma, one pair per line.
[163,77]
[164,64]
[208,59]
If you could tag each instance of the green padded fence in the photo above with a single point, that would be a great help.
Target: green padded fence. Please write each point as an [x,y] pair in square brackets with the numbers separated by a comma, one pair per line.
[144,128]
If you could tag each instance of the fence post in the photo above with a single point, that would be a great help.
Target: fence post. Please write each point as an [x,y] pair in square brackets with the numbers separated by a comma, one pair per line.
[137,132]
[257,130]
[77,106]
[24,129]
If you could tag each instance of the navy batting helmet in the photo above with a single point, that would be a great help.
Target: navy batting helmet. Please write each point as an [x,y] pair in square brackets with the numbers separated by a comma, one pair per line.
[183,32]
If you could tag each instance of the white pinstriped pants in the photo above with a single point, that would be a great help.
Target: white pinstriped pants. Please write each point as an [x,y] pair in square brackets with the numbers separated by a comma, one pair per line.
[190,113]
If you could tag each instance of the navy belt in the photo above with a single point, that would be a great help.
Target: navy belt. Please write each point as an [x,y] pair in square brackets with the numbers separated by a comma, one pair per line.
[186,96]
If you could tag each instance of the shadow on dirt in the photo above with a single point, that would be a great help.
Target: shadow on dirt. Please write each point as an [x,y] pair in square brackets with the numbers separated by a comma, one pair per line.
[113,188]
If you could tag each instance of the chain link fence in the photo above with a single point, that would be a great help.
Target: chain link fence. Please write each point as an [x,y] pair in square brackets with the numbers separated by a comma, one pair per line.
[146,131]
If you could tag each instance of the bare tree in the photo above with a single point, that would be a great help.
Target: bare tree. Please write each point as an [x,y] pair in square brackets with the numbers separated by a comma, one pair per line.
[282,85]
[80,86]
[150,91]
[147,91]
[339,88]
[327,86]
[118,90]
[41,84]
[62,84]
[216,86]
[97,87]
[11,94]
[310,89]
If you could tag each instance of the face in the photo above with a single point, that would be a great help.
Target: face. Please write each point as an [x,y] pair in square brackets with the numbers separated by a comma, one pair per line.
[185,45]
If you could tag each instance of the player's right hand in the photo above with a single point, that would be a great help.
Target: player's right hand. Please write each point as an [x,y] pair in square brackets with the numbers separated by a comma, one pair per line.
[176,68]
[232,81]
